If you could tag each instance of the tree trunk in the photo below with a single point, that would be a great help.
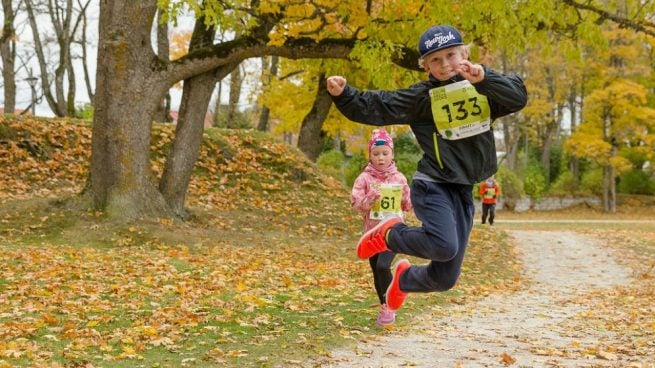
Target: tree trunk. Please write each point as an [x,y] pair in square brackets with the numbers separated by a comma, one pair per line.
[551,135]
[511,136]
[236,80]
[184,151]
[265,115]
[511,131]
[217,105]
[272,73]
[127,93]
[606,188]
[609,180]
[612,182]
[310,138]
[546,149]
[85,59]
[8,55]
[72,89]
[163,112]
[64,60]
[574,162]
[196,95]
[552,126]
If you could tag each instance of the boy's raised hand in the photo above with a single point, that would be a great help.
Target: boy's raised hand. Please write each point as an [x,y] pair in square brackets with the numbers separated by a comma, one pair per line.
[336,85]
[474,73]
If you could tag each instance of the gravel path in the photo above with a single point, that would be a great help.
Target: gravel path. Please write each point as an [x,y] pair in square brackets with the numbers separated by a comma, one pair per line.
[523,329]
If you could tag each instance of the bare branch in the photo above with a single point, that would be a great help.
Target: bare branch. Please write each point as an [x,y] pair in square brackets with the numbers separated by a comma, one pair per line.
[289,75]
[622,21]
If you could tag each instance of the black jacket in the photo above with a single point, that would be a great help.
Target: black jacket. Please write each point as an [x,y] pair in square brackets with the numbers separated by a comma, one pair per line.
[464,161]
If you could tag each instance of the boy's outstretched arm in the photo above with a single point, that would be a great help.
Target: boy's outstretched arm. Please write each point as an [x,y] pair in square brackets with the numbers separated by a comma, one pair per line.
[375,107]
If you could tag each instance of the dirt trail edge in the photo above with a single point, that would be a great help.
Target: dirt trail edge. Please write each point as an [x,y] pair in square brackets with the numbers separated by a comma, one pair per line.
[523,329]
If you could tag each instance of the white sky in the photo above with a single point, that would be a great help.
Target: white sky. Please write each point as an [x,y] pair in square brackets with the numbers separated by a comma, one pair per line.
[24,46]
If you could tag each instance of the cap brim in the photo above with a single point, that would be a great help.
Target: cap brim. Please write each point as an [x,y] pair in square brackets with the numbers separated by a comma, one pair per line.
[442,48]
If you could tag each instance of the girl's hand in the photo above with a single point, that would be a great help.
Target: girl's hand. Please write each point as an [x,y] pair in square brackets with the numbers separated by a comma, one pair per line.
[373,195]
[336,85]
[474,73]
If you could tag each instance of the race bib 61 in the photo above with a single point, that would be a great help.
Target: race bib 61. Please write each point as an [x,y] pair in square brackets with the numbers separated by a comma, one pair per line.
[389,203]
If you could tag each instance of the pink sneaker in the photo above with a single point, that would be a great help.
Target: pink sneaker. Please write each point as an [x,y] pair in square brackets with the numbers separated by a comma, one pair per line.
[386,316]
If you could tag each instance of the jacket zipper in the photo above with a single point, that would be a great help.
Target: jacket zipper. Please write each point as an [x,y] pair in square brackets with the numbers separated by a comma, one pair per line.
[436,150]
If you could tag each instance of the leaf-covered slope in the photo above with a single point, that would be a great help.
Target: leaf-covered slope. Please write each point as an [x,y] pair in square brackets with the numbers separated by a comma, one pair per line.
[42,157]
[235,169]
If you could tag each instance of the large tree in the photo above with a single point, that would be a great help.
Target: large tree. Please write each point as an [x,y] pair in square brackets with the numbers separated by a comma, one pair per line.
[618,120]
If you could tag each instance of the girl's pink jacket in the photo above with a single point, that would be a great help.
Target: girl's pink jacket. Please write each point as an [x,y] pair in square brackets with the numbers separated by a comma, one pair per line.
[362,196]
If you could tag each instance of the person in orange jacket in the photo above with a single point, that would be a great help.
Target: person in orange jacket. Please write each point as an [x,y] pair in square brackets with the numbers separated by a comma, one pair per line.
[490,192]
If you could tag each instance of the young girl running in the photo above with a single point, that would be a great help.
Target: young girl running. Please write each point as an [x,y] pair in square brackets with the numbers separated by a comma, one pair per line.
[379,192]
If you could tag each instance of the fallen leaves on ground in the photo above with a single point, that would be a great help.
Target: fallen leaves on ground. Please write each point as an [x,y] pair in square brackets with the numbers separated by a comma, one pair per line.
[627,311]
[115,304]
[507,359]
[270,263]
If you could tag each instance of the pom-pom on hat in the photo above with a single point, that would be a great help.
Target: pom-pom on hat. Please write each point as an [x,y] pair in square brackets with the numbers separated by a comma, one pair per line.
[438,38]
[380,137]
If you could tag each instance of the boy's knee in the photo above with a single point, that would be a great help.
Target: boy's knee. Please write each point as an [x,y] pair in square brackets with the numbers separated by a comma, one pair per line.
[448,284]
[445,283]
[440,247]
[443,253]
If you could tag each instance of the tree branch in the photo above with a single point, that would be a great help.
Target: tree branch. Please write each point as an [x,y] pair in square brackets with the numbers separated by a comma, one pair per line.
[208,58]
[624,22]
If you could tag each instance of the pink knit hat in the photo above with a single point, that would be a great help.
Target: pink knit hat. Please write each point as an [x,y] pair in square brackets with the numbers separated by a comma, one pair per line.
[380,137]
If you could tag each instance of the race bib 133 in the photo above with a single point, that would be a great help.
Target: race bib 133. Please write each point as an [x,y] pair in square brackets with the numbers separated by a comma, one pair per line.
[459,111]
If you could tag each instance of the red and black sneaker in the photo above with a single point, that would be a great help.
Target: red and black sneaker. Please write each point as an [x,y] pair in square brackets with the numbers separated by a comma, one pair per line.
[396,297]
[374,241]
